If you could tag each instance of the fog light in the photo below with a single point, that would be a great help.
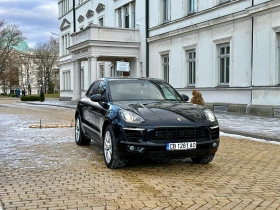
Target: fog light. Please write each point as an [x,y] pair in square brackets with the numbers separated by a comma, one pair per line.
[131,148]
[214,145]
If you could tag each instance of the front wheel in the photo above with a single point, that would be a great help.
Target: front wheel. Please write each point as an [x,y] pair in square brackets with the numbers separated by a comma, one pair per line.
[110,152]
[203,160]
[79,134]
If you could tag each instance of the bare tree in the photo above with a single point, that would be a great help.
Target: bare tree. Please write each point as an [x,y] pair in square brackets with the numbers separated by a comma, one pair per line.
[10,36]
[46,58]
[9,77]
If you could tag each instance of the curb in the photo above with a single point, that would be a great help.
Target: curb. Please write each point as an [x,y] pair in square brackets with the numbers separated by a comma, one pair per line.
[57,105]
[252,135]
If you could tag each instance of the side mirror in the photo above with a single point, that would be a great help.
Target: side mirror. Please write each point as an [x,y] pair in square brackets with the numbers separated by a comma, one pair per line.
[96,98]
[185,97]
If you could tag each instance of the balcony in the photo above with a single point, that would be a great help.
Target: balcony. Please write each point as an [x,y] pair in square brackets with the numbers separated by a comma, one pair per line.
[105,34]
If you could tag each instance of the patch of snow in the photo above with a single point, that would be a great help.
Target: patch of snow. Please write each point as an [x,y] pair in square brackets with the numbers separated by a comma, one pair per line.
[249,138]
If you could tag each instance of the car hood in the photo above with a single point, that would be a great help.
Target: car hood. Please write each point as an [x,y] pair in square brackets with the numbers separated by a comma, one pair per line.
[174,113]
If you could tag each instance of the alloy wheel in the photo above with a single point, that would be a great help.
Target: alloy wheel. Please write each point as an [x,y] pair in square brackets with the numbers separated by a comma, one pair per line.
[108,147]
[77,130]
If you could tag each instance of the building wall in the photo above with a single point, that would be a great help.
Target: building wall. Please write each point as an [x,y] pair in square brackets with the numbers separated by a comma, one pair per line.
[254,49]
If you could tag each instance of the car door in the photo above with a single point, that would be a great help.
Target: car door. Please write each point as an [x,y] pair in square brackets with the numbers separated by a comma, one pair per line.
[98,110]
[87,106]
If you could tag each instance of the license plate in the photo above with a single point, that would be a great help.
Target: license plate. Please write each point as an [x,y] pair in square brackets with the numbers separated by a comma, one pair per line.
[181,146]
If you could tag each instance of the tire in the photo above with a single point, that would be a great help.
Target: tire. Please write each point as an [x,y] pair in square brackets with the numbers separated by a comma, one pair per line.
[110,152]
[80,138]
[203,159]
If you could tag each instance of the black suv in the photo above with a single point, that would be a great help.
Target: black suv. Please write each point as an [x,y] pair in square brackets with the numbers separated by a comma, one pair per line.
[144,118]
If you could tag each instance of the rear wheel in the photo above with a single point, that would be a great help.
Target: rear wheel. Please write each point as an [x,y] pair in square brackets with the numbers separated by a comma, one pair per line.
[80,138]
[203,160]
[110,152]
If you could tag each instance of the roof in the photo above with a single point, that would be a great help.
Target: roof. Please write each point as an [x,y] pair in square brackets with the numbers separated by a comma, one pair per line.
[22,46]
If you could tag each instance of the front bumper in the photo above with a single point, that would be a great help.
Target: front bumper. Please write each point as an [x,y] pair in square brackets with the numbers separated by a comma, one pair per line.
[151,143]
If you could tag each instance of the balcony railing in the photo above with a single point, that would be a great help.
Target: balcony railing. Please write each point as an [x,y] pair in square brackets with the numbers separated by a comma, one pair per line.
[101,33]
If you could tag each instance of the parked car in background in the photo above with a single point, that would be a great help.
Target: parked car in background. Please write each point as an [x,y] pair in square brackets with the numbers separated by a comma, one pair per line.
[144,118]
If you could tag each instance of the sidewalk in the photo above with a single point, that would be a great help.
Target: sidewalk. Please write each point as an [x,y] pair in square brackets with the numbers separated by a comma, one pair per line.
[267,128]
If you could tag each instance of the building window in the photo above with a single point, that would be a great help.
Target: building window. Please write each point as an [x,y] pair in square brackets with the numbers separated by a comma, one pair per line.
[120,18]
[192,6]
[101,71]
[64,7]
[224,63]
[67,80]
[101,21]
[165,67]
[191,57]
[65,43]
[126,17]
[165,10]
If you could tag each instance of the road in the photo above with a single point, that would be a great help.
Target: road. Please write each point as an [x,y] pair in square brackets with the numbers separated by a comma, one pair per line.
[45,169]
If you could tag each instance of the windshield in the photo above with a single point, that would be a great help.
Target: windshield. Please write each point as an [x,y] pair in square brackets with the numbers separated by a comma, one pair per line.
[127,90]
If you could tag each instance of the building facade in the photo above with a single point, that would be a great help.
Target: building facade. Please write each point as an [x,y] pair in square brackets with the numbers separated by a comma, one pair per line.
[229,50]
[94,37]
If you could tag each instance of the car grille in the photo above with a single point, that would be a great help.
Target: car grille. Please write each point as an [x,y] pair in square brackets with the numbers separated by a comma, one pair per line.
[173,135]
[184,134]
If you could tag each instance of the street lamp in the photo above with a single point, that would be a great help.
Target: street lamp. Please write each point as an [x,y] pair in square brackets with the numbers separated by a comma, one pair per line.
[54,33]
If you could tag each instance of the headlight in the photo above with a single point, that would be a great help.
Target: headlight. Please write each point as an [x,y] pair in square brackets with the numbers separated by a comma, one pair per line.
[209,115]
[131,117]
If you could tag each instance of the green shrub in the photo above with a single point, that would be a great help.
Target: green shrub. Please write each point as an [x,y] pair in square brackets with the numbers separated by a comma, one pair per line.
[42,96]
[30,98]
[11,95]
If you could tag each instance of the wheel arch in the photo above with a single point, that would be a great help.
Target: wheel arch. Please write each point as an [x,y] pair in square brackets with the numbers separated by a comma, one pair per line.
[105,125]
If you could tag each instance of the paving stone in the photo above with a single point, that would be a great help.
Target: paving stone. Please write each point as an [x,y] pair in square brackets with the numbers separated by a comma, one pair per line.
[45,169]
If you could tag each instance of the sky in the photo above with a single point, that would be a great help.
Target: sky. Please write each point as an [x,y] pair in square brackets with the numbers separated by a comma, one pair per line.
[36,18]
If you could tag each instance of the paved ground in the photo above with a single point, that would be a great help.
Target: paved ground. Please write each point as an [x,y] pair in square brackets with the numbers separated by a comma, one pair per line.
[45,169]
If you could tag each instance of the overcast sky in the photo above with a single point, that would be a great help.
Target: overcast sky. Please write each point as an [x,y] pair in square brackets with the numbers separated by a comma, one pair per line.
[35,18]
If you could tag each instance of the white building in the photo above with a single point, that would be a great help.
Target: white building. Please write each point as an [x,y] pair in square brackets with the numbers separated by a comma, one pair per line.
[226,49]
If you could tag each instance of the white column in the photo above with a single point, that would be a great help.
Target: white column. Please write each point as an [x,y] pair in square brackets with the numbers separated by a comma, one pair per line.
[98,71]
[77,81]
[87,73]
[137,68]
[92,67]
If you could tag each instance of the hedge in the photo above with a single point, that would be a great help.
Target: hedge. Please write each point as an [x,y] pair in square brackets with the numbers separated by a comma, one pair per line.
[30,98]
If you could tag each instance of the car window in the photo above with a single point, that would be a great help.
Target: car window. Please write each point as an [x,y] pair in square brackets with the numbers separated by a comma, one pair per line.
[169,92]
[142,90]
[92,89]
[102,90]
